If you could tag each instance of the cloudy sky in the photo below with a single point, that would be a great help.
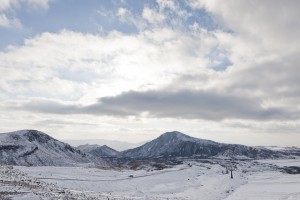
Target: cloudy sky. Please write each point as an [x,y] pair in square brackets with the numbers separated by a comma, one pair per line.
[130,70]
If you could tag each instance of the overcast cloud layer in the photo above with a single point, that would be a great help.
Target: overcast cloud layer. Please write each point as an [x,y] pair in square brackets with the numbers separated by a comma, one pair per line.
[130,71]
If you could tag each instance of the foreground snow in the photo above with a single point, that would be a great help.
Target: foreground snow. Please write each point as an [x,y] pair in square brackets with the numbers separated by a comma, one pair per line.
[191,180]
[271,185]
[181,182]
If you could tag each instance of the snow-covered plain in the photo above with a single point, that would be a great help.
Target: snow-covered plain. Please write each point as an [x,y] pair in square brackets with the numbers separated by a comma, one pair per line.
[270,185]
[193,180]
[181,182]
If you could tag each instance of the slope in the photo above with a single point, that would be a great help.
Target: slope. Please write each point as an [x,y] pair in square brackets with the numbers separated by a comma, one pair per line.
[34,148]
[99,151]
[176,144]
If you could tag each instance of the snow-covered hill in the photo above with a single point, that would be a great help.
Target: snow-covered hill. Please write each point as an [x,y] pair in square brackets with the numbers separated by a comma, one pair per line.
[295,151]
[34,148]
[96,150]
[114,144]
[176,144]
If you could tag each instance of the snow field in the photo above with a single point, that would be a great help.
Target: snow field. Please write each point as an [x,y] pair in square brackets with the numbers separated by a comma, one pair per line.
[253,180]
[269,186]
[201,181]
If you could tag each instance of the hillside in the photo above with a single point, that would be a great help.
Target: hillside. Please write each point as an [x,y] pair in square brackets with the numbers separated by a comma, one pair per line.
[176,144]
[98,151]
[35,148]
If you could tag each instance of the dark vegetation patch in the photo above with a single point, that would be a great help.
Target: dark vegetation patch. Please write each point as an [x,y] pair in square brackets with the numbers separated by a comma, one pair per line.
[9,147]
[291,170]
[27,153]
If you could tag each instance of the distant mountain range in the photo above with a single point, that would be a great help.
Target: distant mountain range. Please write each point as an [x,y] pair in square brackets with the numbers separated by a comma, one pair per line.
[100,151]
[117,145]
[34,148]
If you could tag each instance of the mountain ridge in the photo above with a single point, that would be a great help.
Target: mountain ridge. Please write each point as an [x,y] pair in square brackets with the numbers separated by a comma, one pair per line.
[177,144]
[114,144]
[35,148]
[97,150]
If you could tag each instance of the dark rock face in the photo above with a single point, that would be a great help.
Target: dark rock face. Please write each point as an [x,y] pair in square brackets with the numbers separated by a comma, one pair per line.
[291,170]
[33,135]
[27,153]
[9,147]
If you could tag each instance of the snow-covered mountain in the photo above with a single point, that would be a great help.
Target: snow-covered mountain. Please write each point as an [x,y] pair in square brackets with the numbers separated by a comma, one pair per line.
[114,144]
[295,151]
[96,150]
[176,144]
[34,148]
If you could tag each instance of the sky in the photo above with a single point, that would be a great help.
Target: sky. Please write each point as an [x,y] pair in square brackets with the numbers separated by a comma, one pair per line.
[131,70]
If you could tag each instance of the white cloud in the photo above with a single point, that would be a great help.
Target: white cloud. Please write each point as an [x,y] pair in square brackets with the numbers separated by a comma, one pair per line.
[271,25]
[16,4]
[9,23]
[7,4]
[123,14]
[12,6]
[153,58]
[152,16]
[163,4]
[261,43]
[126,16]
[112,63]
[174,7]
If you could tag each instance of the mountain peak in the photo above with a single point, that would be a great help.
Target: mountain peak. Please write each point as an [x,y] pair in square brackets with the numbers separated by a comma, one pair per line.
[26,135]
[32,147]
[174,134]
[170,143]
[178,136]
[34,135]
